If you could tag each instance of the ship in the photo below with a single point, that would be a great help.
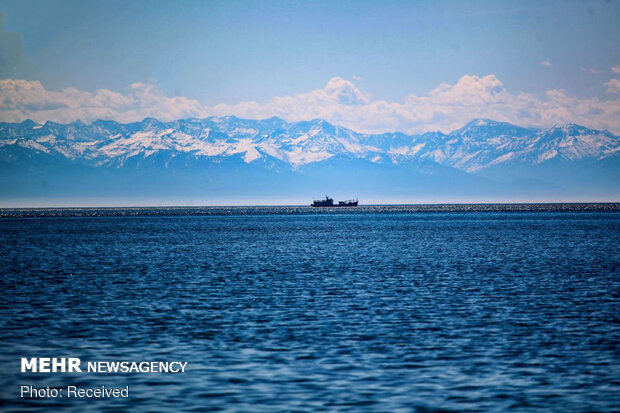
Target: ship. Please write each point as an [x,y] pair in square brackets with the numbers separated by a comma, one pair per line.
[329,202]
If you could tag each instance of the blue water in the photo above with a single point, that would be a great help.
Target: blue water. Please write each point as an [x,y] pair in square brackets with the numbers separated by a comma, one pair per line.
[479,311]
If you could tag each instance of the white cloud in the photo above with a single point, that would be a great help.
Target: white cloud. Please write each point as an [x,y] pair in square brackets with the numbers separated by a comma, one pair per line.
[545,63]
[615,69]
[613,86]
[21,99]
[589,71]
[445,108]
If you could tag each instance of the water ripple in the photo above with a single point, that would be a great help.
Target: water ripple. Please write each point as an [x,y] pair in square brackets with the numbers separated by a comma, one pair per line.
[381,311]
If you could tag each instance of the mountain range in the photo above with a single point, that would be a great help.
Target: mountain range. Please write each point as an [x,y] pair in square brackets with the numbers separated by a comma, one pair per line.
[226,160]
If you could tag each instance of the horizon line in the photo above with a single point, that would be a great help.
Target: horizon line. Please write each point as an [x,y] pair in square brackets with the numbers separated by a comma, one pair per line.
[171,206]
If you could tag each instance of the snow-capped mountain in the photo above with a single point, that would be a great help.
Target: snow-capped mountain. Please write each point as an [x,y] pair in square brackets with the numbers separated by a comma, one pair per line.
[478,145]
[482,149]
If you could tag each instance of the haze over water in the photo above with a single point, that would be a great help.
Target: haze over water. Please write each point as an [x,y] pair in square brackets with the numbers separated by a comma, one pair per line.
[377,309]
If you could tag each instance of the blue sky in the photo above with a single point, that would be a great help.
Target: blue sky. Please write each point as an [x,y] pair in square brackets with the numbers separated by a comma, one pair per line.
[224,53]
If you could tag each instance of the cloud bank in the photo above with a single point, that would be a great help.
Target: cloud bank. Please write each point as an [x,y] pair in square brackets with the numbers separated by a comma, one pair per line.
[444,108]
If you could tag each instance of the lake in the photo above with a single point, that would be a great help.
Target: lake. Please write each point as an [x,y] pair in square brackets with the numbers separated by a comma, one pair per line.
[373,309]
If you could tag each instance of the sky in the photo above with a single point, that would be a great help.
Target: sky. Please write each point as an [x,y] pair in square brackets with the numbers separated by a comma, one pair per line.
[369,65]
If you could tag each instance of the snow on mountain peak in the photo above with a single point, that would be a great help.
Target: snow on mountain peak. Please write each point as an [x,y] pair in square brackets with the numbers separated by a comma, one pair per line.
[479,145]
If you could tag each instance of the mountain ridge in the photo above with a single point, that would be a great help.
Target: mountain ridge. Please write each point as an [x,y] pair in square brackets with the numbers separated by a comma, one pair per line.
[482,155]
[333,139]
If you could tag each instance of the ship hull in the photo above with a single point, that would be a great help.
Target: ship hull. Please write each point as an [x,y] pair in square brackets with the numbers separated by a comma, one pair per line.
[353,204]
[329,203]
